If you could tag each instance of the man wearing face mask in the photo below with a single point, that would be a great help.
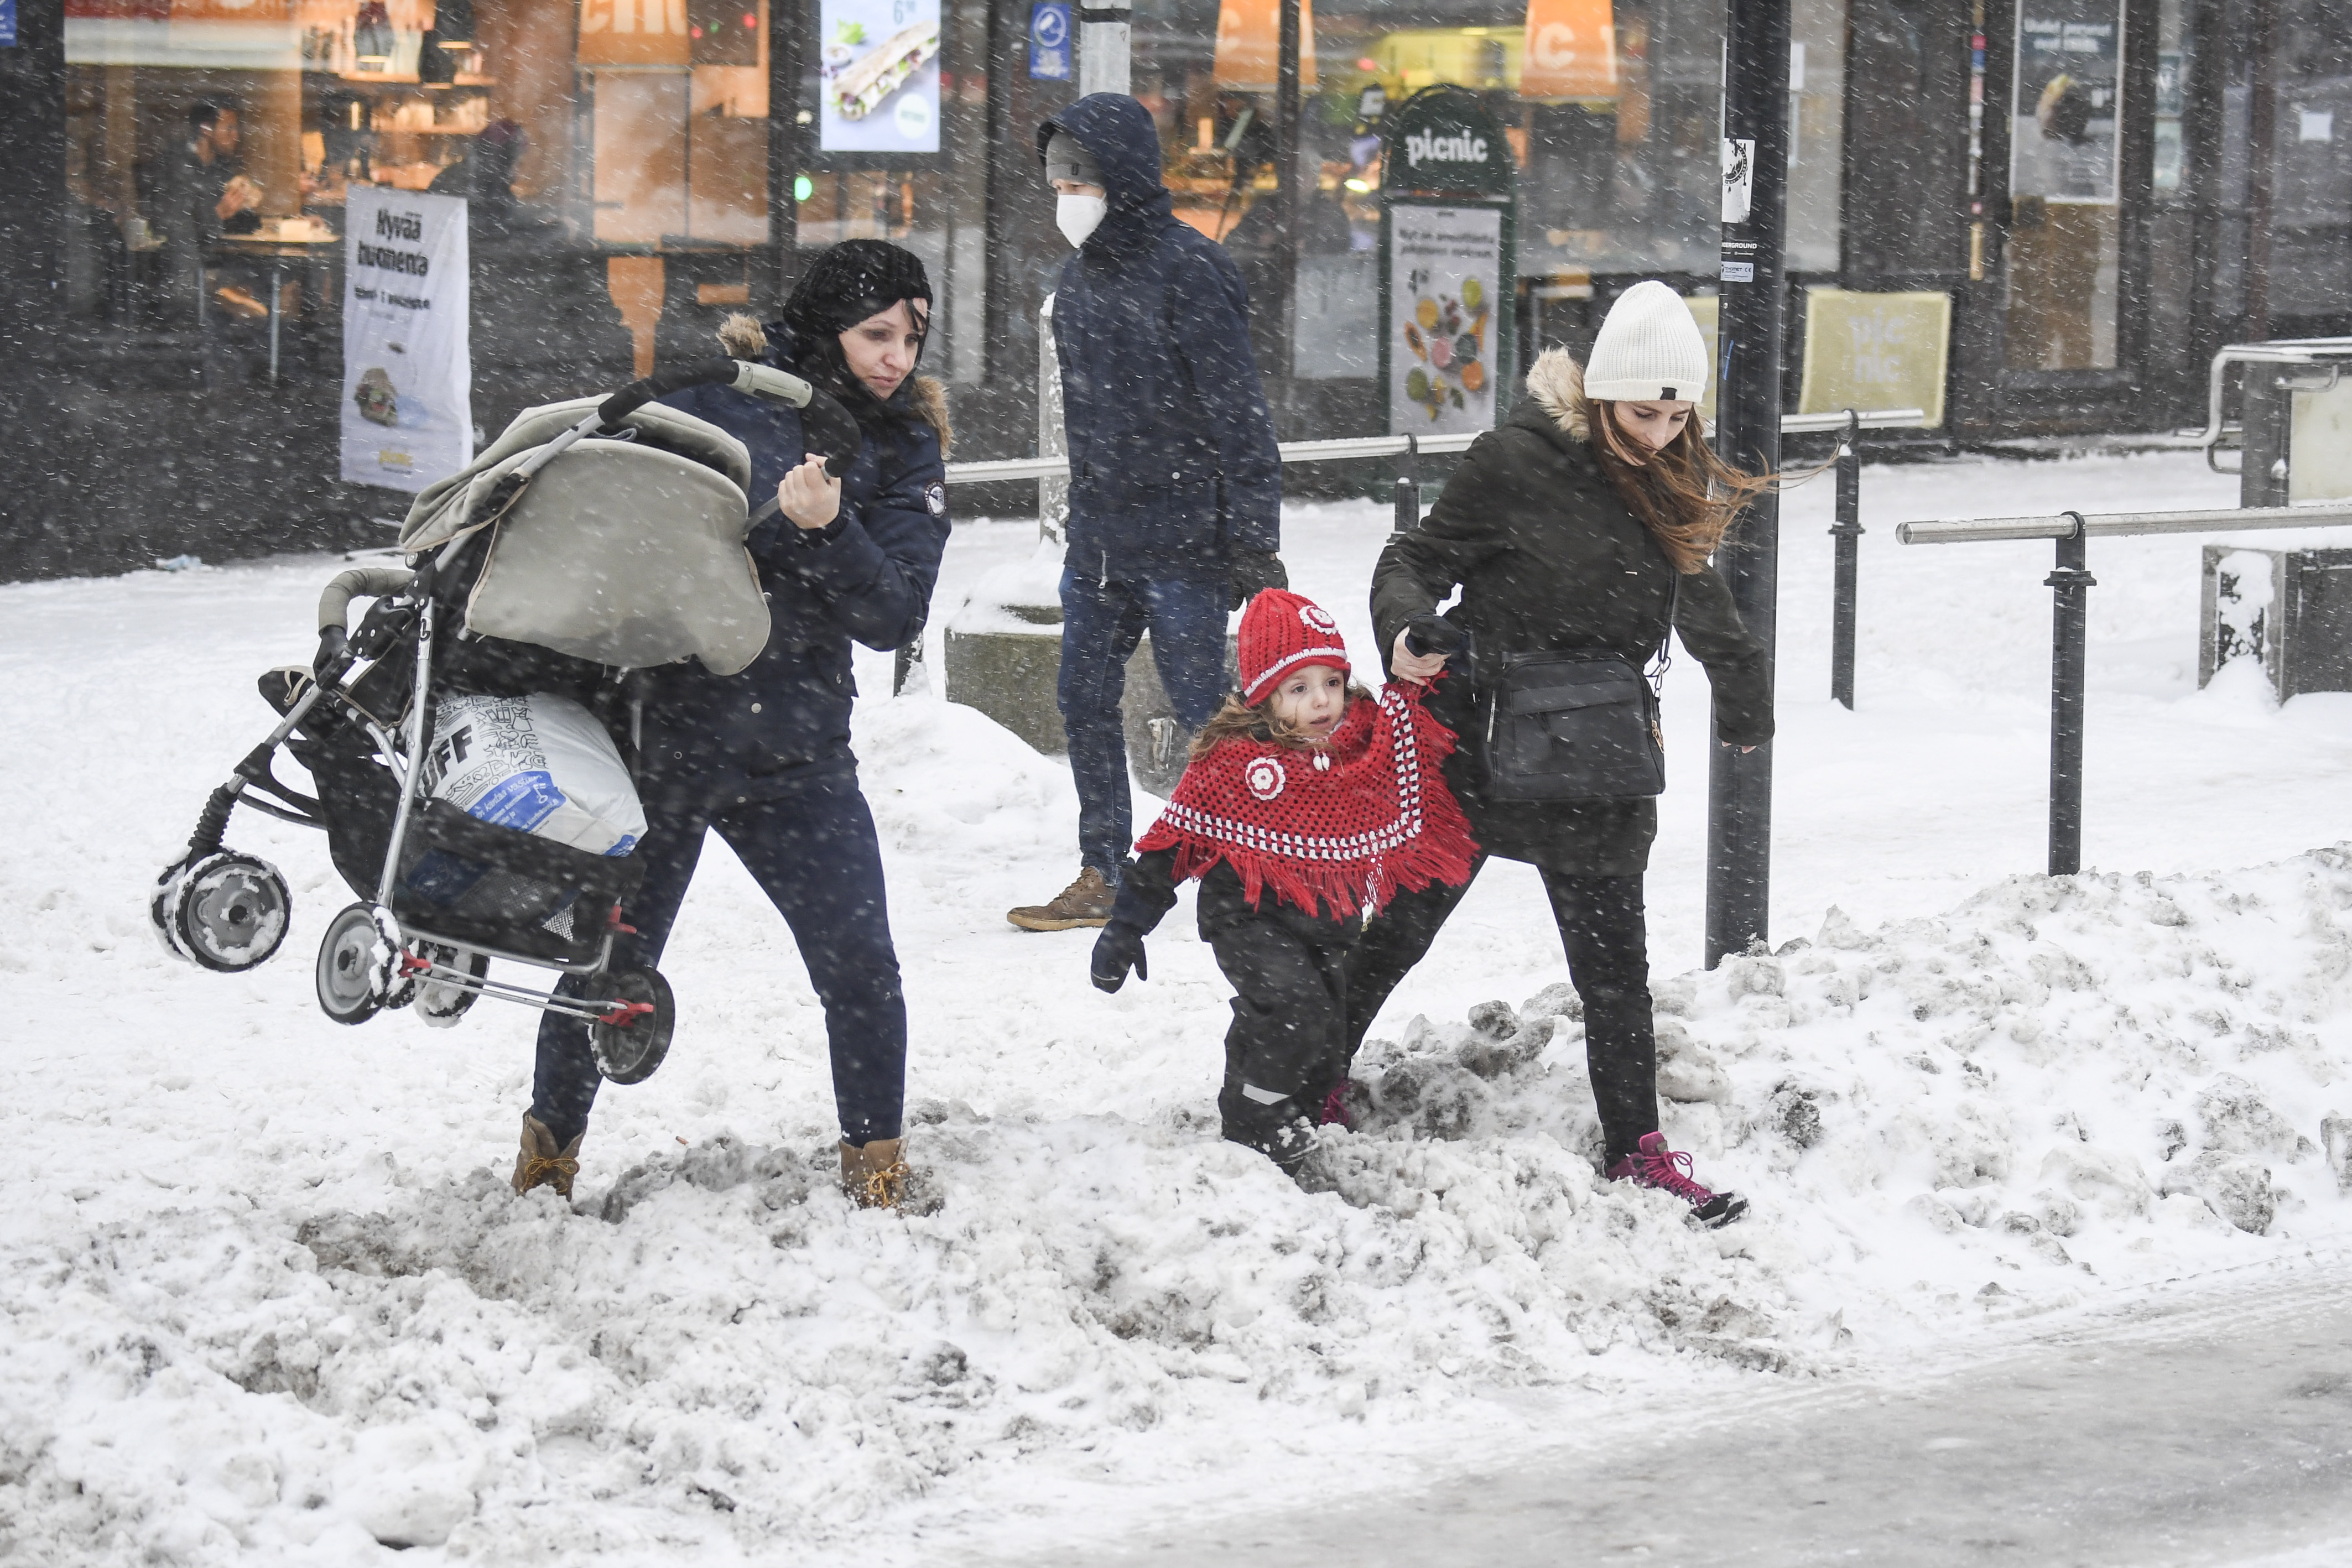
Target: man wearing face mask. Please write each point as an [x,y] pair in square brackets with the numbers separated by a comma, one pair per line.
[1175,482]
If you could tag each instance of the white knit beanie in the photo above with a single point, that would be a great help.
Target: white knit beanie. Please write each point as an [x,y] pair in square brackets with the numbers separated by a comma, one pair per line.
[1649,351]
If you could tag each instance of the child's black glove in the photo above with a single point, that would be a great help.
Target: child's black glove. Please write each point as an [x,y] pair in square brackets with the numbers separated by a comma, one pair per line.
[1119,949]
[1427,634]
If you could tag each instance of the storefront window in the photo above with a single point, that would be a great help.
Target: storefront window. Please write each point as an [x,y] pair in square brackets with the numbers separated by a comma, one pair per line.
[2065,168]
[892,146]
[215,148]
[1613,109]
[2174,45]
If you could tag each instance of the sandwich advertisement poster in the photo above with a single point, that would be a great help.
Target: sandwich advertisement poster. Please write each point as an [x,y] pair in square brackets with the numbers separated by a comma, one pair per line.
[878,76]
[407,407]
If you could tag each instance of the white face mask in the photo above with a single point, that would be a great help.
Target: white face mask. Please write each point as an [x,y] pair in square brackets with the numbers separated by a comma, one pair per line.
[1079,217]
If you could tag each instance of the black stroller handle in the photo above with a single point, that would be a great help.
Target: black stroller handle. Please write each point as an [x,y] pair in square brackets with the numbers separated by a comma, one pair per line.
[828,427]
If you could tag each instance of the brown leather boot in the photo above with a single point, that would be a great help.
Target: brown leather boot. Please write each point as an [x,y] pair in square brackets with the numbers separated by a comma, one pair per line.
[541,1163]
[874,1175]
[1085,902]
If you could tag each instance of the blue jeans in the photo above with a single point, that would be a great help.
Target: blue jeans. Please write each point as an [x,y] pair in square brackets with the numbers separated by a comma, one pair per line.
[1102,621]
[813,850]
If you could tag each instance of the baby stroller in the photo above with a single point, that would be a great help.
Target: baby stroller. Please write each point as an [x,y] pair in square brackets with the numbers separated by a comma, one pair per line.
[594,538]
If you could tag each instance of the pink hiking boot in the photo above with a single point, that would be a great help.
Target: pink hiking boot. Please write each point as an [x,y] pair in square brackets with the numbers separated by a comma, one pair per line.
[1655,1165]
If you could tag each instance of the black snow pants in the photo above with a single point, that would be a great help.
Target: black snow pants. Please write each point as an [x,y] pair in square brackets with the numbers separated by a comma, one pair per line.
[810,845]
[1288,1043]
[1602,925]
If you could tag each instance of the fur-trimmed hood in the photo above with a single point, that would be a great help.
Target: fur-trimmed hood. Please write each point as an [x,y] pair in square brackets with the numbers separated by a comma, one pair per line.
[1556,383]
[743,338]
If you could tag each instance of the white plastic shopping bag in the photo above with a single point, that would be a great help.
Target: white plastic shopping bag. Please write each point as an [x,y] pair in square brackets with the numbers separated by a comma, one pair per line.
[539,764]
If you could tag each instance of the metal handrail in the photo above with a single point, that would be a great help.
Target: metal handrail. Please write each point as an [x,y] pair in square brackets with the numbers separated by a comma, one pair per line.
[1876,419]
[2282,351]
[2070,584]
[1344,448]
[2116,524]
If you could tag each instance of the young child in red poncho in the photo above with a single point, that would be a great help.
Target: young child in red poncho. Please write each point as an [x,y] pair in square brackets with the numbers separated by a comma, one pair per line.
[1307,802]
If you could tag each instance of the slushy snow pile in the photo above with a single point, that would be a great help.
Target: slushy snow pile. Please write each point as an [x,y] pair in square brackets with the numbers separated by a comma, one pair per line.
[2058,1087]
[265,1297]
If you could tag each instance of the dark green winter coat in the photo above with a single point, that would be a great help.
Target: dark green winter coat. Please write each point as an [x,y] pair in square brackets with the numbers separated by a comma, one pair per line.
[1549,558]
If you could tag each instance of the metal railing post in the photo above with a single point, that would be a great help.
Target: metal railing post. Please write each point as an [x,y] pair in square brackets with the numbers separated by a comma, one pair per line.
[1847,530]
[1408,488]
[2068,583]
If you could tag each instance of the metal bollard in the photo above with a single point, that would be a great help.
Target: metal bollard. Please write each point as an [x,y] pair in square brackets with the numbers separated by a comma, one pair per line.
[1847,529]
[2069,584]
[1408,489]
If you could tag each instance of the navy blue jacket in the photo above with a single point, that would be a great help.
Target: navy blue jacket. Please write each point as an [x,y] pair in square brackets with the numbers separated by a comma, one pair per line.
[866,575]
[1173,467]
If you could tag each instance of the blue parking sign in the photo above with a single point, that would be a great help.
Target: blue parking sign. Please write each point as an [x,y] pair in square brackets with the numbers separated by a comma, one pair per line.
[8,24]
[1049,39]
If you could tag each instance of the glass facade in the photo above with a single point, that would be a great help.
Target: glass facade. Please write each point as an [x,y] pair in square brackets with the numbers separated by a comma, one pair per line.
[2075,175]
[621,157]
[1611,108]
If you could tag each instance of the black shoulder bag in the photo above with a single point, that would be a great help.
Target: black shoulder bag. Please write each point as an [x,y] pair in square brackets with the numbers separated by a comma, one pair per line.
[1577,726]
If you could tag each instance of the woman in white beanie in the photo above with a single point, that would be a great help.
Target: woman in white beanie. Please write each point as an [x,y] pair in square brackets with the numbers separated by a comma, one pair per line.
[1584,524]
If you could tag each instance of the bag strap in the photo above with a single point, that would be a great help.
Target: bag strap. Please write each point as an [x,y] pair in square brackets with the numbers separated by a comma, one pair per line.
[1665,656]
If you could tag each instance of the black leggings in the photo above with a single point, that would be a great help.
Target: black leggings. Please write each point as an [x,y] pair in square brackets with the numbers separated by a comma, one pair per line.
[1601,927]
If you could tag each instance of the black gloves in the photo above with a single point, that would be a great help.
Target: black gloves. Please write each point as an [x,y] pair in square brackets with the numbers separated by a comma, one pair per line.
[1253,573]
[1119,949]
[1434,634]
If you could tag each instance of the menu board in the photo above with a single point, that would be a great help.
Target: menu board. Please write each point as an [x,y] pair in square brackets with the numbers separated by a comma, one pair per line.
[878,76]
[408,404]
[2063,145]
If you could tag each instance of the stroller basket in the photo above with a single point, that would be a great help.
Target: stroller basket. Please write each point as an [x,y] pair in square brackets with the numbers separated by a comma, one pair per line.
[494,888]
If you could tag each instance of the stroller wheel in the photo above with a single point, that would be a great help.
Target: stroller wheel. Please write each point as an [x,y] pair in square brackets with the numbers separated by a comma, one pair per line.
[439,1003]
[352,965]
[627,1053]
[227,913]
[158,909]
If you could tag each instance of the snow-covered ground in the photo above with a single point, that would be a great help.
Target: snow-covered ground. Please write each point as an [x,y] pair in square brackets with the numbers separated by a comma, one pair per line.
[266,1298]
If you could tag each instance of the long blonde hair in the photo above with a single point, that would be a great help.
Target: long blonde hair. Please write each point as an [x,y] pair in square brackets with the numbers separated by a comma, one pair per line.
[1238,719]
[1685,495]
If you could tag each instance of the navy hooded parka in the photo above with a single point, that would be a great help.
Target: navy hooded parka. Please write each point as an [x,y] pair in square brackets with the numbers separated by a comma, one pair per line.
[867,576]
[1173,469]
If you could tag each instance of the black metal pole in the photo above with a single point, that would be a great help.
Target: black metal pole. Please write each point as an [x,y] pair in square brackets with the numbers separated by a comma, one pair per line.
[784,25]
[1748,434]
[2262,160]
[2069,586]
[1289,40]
[1408,488]
[1848,531]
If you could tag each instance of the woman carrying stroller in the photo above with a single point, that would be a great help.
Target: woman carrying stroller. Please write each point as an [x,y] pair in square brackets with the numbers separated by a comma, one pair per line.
[763,758]
[1584,523]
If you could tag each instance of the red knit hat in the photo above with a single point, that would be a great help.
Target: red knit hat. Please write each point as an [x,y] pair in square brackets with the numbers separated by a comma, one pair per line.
[1280,631]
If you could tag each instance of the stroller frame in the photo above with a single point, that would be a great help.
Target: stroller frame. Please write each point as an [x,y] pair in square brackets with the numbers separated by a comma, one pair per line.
[228,912]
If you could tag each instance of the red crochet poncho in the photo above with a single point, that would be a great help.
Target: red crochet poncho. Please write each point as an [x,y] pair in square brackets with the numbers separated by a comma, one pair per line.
[1346,821]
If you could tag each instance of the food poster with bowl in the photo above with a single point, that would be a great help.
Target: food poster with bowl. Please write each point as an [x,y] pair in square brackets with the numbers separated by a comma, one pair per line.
[407,404]
[1449,304]
[878,76]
